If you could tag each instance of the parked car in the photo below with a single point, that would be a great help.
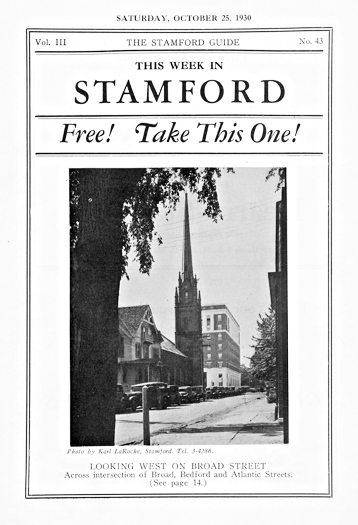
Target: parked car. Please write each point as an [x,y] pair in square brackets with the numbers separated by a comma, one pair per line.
[158,395]
[220,391]
[214,392]
[200,392]
[188,395]
[126,401]
[208,393]
[174,395]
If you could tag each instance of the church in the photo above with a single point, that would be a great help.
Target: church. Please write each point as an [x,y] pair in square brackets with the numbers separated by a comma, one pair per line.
[188,332]
[145,354]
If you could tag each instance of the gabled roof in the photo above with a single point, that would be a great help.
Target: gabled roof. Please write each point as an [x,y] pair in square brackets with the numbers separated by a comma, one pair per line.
[132,316]
[168,346]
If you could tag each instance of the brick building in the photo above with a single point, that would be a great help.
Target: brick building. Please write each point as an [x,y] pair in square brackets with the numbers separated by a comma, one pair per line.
[221,344]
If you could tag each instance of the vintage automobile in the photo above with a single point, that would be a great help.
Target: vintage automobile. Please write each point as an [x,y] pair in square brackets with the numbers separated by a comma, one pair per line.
[158,395]
[220,391]
[187,394]
[174,395]
[214,392]
[208,393]
[126,401]
[200,392]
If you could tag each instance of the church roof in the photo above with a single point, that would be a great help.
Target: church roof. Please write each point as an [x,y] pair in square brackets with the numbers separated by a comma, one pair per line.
[169,346]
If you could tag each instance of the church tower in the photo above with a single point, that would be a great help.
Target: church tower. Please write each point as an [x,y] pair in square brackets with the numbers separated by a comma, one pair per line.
[188,335]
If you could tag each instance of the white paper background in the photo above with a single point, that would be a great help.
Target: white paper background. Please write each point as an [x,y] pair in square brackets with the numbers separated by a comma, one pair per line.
[19,510]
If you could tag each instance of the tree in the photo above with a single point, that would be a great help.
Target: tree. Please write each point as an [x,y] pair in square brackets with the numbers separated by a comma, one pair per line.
[263,361]
[110,211]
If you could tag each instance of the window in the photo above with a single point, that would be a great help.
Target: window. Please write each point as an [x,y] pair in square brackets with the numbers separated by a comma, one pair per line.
[208,322]
[208,336]
[137,350]
[208,356]
[220,364]
[220,337]
[220,347]
[220,356]
[219,318]
[186,296]
[220,326]
[208,348]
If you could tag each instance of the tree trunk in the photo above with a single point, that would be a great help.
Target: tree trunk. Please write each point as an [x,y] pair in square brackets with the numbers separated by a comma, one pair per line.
[96,269]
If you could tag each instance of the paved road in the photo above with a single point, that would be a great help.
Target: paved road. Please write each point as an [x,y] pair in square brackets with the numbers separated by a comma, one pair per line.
[235,420]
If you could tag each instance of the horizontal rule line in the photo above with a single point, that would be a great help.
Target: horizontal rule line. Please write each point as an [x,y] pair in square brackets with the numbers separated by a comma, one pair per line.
[176,50]
[144,153]
[181,115]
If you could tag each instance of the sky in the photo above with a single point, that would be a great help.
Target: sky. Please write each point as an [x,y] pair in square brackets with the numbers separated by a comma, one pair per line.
[231,258]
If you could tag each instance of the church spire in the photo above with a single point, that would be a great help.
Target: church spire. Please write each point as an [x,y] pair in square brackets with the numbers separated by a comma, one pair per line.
[187,258]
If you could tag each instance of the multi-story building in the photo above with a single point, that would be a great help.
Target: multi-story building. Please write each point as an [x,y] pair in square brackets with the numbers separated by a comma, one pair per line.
[221,345]
[144,354]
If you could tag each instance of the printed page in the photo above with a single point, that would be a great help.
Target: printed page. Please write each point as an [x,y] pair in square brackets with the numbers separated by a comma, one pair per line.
[117,121]
[178,219]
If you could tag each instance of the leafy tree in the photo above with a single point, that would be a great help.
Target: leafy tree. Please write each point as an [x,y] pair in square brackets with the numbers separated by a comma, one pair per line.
[263,361]
[112,210]
[280,173]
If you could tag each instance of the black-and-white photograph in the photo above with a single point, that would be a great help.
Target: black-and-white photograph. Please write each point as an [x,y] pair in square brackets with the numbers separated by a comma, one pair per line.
[178,315]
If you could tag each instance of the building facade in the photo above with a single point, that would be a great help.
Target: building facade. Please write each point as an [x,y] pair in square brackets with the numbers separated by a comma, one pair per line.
[144,354]
[221,345]
[139,356]
[278,290]
[188,333]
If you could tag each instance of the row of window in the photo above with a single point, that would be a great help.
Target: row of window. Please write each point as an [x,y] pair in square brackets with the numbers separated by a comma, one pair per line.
[220,347]
[220,336]
[208,364]
[220,356]
[218,322]
[142,351]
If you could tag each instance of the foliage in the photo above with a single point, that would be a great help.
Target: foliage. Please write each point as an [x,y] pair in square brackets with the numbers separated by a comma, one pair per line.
[155,188]
[280,173]
[263,361]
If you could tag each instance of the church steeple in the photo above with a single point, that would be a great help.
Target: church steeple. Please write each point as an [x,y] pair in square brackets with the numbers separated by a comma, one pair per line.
[188,335]
[187,268]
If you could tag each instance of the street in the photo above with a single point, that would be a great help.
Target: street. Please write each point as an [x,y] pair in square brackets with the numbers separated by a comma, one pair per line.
[246,419]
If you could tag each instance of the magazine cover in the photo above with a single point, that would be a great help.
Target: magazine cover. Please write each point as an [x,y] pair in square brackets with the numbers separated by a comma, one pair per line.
[179,248]
[166,170]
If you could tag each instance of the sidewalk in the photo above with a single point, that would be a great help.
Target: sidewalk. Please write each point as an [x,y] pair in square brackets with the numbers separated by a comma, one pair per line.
[250,424]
